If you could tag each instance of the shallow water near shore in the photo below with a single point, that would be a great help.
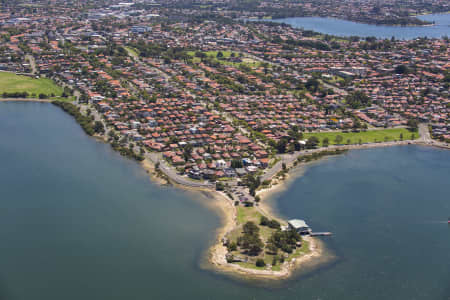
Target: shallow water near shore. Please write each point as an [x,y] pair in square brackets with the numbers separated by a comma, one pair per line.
[77,221]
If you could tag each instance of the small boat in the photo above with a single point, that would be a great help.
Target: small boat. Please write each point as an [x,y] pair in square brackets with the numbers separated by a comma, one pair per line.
[448,222]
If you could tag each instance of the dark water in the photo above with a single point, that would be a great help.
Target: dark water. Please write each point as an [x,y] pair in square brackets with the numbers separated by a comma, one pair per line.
[77,221]
[388,209]
[347,28]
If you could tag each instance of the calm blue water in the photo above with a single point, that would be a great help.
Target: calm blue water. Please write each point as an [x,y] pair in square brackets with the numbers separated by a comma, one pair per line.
[77,221]
[347,28]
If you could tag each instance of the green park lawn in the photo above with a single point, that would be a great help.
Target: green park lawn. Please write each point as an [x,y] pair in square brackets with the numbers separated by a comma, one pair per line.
[245,214]
[12,83]
[249,62]
[370,136]
[226,53]
[132,51]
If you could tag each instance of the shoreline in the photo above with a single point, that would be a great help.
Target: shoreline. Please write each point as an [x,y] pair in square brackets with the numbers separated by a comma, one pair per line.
[267,204]
[225,209]
[26,100]
[216,254]
[214,259]
[411,25]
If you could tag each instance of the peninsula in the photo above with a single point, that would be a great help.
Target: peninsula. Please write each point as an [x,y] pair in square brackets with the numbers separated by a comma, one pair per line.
[208,102]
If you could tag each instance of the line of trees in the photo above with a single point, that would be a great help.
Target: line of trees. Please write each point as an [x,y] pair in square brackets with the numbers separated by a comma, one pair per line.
[23,95]
[86,122]
[264,221]
[250,240]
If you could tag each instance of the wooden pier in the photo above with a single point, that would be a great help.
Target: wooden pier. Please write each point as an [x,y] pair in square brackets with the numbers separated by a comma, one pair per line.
[320,233]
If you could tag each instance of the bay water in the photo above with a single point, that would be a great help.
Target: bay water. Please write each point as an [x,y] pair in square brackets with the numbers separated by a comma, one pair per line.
[78,221]
[346,28]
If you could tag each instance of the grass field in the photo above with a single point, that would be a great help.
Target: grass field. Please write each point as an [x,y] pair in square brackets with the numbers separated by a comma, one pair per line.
[226,56]
[132,51]
[245,214]
[370,136]
[11,83]
[226,53]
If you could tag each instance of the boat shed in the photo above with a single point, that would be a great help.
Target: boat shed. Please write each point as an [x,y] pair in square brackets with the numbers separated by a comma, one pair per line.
[299,225]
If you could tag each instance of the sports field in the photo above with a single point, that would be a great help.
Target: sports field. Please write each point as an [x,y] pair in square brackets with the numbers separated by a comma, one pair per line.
[12,83]
[370,136]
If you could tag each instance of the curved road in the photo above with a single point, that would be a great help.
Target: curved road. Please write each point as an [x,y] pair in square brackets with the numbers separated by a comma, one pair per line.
[173,175]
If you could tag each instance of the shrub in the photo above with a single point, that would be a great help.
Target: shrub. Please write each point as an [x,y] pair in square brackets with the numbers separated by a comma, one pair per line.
[219,186]
[232,246]
[260,262]
[264,221]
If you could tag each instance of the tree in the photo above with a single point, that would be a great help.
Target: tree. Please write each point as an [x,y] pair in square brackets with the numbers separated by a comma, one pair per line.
[274,260]
[260,263]
[219,186]
[284,240]
[338,139]
[250,228]
[251,242]
[401,136]
[413,124]
[358,99]
[98,127]
[272,248]
[274,224]
[187,151]
[236,163]
[200,54]
[312,84]
[264,221]
[281,146]
[401,69]
[325,142]
[312,142]
[232,246]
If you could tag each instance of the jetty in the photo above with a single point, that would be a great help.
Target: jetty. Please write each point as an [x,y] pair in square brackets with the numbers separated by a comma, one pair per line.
[320,233]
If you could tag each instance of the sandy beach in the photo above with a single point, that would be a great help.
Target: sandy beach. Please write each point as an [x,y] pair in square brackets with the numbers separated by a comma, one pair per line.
[150,168]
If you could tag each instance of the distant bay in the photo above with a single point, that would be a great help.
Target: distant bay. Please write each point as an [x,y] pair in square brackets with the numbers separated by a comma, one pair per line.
[78,221]
[346,28]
